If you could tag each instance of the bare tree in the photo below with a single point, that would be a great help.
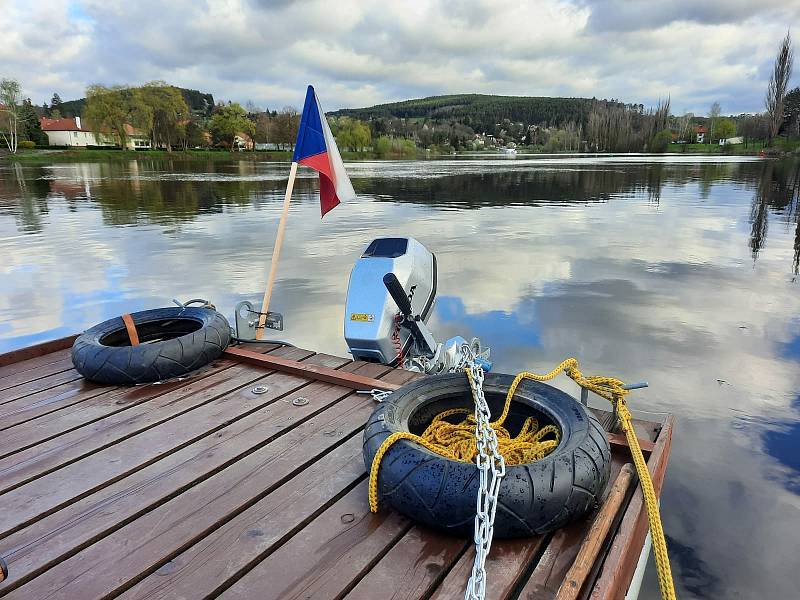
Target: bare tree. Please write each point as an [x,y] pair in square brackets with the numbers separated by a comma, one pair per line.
[713,115]
[683,124]
[776,90]
[753,127]
[9,104]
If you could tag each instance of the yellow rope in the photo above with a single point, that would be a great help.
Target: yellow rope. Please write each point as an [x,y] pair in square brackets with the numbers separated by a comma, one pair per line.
[457,442]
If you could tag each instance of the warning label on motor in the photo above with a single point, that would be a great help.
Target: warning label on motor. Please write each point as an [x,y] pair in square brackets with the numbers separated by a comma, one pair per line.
[363,317]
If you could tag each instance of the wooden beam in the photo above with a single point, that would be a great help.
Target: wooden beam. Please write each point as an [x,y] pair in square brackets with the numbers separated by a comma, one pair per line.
[593,542]
[36,350]
[619,439]
[620,562]
[315,372]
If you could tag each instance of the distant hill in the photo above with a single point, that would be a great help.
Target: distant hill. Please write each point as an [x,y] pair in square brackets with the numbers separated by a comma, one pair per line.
[200,104]
[481,111]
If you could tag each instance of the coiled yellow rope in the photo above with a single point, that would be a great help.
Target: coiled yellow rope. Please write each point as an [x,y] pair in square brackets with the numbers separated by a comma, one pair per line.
[457,441]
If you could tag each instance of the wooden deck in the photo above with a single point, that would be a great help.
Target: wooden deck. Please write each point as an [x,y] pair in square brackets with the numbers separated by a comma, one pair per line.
[204,489]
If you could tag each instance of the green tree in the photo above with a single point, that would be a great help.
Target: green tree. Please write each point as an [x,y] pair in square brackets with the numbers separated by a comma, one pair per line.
[194,135]
[109,110]
[163,113]
[30,127]
[791,112]
[725,129]
[661,141]
[351,134]
[383,146]
[362,137]
[228,121]
[55,106]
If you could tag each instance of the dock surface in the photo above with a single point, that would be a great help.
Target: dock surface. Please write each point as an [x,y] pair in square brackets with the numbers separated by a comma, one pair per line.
[205,488]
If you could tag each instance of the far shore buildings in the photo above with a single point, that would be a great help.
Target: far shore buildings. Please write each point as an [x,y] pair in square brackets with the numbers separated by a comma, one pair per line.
[700,133]
[70,132]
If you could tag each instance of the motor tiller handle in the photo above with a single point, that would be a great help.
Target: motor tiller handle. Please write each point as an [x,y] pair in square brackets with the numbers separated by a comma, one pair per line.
[398,294]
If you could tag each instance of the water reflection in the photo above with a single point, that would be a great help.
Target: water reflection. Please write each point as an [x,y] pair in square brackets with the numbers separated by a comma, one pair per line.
[778,191]
[672,269]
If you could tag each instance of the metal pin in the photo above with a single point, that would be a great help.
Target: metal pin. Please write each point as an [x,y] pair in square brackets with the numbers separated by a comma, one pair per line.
[260,389]
[300,401]
[635,386]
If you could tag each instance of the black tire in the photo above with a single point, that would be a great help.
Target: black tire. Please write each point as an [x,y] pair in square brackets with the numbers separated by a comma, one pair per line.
[173,343]
[534,498]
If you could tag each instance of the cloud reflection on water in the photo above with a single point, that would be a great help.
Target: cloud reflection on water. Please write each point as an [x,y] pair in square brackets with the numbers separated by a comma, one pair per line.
[677,270]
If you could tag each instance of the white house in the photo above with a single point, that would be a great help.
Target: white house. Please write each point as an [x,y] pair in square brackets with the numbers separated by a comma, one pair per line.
[732,140]
[700,134]
[69,132]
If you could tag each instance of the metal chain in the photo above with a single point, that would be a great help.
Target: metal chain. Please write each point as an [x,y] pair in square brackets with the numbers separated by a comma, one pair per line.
[491,469]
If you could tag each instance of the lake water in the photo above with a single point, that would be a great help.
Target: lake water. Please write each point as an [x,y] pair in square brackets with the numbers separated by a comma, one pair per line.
[681,271]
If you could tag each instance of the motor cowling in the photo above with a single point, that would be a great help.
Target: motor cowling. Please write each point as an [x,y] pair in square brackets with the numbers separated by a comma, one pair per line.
[371,314]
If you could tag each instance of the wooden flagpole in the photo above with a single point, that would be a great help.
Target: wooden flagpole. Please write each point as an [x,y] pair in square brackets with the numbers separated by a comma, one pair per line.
[276,252]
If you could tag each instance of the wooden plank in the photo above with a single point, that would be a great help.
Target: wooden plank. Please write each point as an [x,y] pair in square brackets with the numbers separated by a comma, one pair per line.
[413,567]
[620,561]
[102,410]
[619,439]
[36,350]
[319,373]
[142,546]
[506,566]
[103,406]
[593,541]
[281,425]
[563,546]
[230,551]
[49,493]
[305,466]
[323,559]
[111,401]
[260,528]
[26,375]
[18,468]
[35,363]
[17,396]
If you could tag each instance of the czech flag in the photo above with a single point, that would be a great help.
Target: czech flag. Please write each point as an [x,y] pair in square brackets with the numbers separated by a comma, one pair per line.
[317,149]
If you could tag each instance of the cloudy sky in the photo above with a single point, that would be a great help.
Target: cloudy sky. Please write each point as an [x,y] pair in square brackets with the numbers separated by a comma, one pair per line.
[360,53]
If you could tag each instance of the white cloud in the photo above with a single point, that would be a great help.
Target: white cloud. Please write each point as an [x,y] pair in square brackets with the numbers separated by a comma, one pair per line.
[360,53]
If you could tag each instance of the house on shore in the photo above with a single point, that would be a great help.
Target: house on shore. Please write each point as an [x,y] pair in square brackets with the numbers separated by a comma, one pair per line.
[242,141]
[71,132]
[700,134]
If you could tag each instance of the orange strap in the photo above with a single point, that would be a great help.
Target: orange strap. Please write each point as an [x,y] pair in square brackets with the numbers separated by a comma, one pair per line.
[131,327]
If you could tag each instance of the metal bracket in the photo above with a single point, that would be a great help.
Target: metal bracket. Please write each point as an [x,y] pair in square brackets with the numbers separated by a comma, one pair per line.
[629,386]
[247,318]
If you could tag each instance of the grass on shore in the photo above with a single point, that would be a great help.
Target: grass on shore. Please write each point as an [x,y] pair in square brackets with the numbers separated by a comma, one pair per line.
[105,155]
[782,145]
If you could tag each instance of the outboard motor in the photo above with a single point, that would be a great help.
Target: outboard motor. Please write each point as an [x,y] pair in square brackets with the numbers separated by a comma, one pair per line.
[392,274]
[389,300]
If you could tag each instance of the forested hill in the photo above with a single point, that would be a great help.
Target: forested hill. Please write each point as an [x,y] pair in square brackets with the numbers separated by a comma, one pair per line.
[199,103]
[481,111]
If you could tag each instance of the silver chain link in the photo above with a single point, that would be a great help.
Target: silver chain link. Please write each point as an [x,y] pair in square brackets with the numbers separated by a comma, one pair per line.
[491,469]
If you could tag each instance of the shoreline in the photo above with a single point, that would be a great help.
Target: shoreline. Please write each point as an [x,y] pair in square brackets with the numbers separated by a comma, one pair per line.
[105,155]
